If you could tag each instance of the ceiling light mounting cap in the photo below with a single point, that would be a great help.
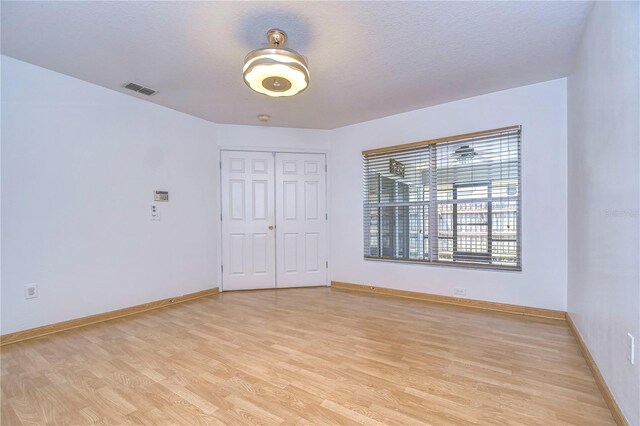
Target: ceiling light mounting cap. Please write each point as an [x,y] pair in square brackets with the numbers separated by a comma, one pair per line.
[276,37]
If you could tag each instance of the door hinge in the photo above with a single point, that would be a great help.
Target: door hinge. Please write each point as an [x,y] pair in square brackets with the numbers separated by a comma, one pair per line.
[327,264]
[220,215]
[326,216]
[325,167]
[221,268]
[220,165]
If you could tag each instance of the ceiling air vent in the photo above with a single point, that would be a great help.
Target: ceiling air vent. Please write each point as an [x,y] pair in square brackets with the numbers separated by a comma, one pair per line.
[140,89]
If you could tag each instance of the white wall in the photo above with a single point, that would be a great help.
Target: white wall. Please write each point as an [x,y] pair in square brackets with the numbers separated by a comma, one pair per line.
[272,138]
[79,167]
[79,164]
[604,196]
[541,110]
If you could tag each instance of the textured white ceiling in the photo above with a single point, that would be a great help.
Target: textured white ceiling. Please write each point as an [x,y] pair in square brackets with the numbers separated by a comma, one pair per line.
[367,59]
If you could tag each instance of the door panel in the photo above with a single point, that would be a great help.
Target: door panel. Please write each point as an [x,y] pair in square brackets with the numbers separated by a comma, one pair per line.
[248,210]
[301,222]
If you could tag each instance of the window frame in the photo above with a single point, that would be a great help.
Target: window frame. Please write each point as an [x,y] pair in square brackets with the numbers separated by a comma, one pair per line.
[431,209]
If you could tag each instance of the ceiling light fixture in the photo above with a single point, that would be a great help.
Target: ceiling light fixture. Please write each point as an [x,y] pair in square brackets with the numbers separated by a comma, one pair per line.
[264,117]
[276,70]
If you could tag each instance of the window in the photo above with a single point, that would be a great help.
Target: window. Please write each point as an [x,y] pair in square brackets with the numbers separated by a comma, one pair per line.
[450,201]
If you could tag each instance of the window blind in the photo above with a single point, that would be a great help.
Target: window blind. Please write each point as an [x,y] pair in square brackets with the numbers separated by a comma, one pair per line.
[451,201]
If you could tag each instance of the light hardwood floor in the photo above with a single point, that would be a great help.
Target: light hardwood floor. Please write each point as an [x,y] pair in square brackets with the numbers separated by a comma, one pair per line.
[304,356]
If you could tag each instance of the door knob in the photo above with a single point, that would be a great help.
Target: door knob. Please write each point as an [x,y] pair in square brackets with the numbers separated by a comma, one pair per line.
[270,227]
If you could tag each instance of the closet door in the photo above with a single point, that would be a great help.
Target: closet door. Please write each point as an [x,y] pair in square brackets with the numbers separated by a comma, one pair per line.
[301,222]
[248,220]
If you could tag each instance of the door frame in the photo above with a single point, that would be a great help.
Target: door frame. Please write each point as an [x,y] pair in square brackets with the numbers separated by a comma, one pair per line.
[274,152]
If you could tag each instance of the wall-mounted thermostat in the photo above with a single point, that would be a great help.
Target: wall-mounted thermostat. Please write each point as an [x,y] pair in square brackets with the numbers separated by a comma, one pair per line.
[161,196]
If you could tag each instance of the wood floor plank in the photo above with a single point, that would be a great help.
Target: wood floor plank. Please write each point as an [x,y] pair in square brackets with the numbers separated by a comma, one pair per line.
[301,357]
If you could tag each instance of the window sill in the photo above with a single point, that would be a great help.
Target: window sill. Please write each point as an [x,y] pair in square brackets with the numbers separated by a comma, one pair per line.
[465,265]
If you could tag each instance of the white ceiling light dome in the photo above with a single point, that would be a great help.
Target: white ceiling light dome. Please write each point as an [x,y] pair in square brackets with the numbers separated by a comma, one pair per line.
[276,70]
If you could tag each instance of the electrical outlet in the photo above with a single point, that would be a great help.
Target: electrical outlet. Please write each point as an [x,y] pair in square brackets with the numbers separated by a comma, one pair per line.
[632,348]
[459,291]
[30,291]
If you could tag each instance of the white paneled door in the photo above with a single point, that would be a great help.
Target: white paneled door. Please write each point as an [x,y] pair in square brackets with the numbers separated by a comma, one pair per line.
[301,241]
[273,220]
[248,220]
